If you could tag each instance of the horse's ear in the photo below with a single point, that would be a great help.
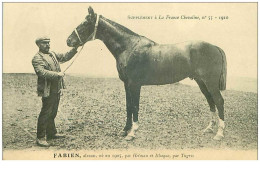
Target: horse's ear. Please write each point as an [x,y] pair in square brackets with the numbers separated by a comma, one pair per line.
[91,11]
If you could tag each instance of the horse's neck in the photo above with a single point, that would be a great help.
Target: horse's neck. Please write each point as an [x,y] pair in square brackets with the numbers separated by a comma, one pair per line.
[116,37]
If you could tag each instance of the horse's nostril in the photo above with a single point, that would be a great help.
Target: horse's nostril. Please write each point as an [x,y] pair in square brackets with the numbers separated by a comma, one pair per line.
[68,41]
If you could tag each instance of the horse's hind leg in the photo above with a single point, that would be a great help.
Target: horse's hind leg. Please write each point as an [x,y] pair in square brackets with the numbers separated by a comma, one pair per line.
[204,90]
[213,89]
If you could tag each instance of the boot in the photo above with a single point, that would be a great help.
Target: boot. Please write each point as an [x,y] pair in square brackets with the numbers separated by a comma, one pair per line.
[42,142]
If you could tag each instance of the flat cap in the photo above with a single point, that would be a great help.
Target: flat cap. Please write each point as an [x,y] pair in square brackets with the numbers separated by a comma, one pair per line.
[41,39]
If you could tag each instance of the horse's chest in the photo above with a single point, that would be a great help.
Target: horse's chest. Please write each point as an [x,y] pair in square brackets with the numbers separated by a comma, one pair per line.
[121,65]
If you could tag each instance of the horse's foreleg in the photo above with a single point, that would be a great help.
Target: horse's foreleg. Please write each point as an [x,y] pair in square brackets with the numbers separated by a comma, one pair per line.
[129,111]
[135,96]
[136,99]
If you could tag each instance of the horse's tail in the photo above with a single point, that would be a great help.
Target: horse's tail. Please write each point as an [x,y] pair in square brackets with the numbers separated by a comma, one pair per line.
[223,75]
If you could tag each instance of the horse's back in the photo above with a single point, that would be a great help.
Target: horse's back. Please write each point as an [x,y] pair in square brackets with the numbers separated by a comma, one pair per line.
[154,63]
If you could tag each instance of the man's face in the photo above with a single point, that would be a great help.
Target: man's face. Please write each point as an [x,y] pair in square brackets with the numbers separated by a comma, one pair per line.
[44,46]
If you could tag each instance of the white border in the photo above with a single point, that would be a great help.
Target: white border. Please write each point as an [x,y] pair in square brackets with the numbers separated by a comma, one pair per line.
[122,169]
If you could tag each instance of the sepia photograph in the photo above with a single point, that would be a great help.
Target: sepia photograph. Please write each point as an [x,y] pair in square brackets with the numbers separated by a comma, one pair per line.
[129,81]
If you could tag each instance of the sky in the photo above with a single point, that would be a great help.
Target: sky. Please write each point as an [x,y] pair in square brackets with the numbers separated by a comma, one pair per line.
[24,22]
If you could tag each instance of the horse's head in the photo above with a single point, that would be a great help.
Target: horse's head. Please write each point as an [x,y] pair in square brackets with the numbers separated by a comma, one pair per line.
[84,31]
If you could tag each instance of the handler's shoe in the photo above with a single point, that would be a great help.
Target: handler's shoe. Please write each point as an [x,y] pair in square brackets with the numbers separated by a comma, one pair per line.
[56,136]
[42,142]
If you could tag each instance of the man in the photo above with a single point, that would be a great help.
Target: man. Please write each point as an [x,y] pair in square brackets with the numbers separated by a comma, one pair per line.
[49,85]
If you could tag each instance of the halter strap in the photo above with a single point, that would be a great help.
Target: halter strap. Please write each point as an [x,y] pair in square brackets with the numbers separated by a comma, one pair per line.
[76,31]
[96,26]
[94,33]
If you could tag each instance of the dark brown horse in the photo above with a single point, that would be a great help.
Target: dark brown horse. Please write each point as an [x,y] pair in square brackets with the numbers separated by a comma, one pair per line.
[141,61]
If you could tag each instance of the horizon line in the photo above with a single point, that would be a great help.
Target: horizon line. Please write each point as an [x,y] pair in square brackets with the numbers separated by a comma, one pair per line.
[89,75]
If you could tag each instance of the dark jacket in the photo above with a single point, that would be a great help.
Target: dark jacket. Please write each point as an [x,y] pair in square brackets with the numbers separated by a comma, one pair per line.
[47,73]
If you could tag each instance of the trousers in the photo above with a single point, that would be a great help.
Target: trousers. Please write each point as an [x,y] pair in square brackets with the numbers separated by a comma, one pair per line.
[46,125]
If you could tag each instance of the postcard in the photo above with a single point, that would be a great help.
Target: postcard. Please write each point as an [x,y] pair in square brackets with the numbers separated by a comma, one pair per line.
[130,81]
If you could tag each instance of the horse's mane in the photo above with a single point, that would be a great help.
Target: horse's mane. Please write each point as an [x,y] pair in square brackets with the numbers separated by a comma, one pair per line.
[120,26]
[125,29]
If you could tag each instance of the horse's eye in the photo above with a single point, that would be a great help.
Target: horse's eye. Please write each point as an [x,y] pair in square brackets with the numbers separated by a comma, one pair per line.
[88,18]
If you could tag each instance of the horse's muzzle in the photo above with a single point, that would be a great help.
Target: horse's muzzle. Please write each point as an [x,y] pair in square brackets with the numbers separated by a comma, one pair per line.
[69,43]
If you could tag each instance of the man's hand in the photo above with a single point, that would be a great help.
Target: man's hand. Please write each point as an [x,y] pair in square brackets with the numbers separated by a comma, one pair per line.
[61,74]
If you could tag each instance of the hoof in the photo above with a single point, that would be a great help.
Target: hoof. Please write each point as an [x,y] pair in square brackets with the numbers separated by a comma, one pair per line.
[208,130]
[129,138]
[123,133]
[218,137]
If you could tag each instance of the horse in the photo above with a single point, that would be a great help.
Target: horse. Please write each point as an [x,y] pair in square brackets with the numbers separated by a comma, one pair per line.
[141,61]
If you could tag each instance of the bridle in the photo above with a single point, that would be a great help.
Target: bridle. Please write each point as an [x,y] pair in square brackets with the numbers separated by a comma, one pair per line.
[96,26]
[81,42]
[92,34]
[76,31]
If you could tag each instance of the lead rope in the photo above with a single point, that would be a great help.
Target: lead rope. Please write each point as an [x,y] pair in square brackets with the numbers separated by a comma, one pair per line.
[73,60]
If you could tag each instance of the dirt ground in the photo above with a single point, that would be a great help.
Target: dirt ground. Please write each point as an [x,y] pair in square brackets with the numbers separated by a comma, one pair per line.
[92,113]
